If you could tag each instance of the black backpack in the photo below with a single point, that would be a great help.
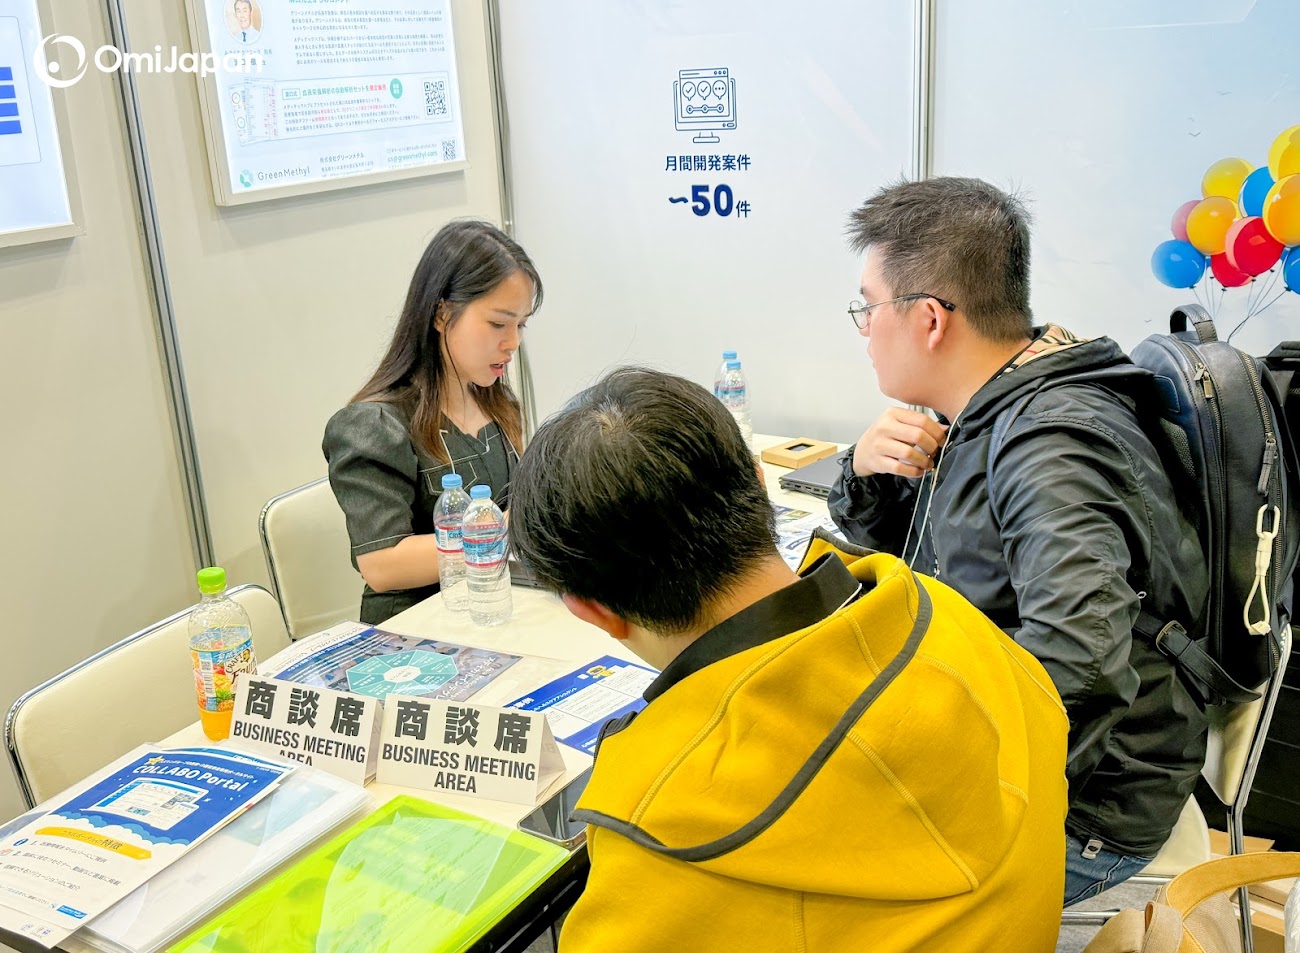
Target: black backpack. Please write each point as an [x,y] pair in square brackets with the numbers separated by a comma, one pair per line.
[1218,419]
[1221,426]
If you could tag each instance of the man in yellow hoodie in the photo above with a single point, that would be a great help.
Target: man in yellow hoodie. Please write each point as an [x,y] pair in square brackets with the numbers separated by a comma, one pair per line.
[848,758]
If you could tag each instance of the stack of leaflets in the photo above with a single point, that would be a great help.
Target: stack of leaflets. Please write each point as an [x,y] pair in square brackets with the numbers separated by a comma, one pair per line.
[306,807]
[351,657]
[578,704]
[795,527]
[411,876]
[88,848]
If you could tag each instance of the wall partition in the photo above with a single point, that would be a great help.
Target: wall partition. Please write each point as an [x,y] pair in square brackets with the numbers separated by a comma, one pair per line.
[1106,117]
[682,173]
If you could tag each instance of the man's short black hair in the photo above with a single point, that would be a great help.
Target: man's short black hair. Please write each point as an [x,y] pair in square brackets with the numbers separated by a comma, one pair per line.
[641,495]
[960,239]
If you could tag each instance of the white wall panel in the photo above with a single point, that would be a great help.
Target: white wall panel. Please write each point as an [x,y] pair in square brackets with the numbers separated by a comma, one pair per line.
[823,113]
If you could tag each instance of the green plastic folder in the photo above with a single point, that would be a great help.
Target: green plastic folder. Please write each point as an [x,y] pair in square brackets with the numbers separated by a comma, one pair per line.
[413,876]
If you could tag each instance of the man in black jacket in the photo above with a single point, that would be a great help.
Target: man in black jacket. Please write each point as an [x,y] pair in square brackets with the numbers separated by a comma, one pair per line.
[1070,538]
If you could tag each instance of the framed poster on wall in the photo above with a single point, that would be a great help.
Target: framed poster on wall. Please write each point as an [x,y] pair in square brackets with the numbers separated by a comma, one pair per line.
[304,97]
[38,199]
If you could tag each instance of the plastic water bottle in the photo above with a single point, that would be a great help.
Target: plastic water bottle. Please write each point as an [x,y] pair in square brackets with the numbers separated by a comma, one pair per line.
[483,536]
[735,395]
[221,647]
[721,372]
[447,517]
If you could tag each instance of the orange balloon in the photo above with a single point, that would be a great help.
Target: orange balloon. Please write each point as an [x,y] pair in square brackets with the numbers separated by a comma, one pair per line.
[1288,161]
[1225,178]
[1282,210]
[1284,139]
[1208,224]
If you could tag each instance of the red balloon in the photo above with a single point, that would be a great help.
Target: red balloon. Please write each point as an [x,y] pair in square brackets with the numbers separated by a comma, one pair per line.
[1228,276]
[1250,248]
[1179,225]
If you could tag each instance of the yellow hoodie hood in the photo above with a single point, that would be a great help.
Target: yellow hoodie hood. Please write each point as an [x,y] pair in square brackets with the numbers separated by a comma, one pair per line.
[894,735]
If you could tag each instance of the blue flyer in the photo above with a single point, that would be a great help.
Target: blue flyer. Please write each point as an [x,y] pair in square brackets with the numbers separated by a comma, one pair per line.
[577,705]
[114,831]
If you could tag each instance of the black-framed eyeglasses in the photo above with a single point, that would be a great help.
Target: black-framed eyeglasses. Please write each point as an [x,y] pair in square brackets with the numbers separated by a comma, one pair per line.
[860,311]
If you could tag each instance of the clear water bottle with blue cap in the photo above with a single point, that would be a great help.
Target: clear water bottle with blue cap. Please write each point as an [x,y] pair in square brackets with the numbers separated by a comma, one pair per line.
[448,515]
[483,538]
[735,396]
[721,372]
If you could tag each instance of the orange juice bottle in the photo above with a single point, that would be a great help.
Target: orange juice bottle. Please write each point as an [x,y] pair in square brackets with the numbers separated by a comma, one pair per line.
[221,647]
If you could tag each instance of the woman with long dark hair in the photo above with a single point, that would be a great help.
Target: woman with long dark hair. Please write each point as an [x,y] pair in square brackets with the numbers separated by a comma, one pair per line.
[438,403]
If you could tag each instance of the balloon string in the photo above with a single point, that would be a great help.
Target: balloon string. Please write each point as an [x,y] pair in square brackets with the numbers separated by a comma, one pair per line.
[1266,290]
[1241,324]
[1269,303]
[1255,285]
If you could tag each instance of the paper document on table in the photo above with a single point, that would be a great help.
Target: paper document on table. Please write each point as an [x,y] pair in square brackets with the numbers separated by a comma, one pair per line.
[795,527]
[578,704]
[109,834]
[307,806]
[351,657]
[411,876]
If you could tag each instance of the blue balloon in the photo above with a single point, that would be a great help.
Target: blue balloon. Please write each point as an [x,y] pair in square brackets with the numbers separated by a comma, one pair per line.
[1291,269]
[1254,190]
[1177,264]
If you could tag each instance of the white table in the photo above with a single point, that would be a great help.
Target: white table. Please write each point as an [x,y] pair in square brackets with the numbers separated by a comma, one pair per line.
[552,643]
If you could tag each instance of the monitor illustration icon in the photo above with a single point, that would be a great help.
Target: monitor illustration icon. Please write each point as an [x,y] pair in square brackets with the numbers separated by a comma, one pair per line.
[704,102]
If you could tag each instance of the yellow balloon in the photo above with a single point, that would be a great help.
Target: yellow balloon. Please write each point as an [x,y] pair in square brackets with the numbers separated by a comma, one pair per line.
[1288,162]
[1225,178]
[1276,149]
[1282,210]
[1208,224]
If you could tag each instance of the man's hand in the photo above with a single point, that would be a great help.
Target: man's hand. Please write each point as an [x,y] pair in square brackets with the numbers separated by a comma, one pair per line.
[901,441]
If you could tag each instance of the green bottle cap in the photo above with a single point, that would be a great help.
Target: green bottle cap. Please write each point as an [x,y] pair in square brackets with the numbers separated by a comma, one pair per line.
[212,580]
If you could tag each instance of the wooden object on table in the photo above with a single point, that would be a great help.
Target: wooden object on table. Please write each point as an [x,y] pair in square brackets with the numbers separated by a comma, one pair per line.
[797,452]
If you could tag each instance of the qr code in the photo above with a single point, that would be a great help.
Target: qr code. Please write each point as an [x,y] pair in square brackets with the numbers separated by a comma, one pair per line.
[448,150]
[435,97]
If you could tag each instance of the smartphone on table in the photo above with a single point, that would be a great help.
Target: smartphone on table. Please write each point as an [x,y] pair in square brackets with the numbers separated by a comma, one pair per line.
[550,819]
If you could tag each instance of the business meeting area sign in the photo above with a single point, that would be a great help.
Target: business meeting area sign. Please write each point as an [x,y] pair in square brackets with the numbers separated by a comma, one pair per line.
[344,92]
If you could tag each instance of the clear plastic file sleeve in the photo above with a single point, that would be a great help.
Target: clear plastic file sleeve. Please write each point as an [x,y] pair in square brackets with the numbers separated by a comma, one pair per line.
[412,876]
[307,806]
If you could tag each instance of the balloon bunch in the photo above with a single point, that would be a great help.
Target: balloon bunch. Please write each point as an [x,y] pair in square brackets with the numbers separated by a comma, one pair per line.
[1245,227]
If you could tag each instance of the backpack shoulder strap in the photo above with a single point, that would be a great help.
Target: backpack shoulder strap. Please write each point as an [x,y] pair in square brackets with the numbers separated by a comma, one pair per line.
[1171,638]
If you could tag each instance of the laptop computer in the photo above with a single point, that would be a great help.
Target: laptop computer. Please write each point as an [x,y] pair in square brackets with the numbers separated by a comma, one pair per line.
[520,575]
[816,478]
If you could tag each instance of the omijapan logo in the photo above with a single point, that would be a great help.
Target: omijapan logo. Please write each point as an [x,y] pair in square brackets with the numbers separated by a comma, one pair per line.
[48,69]
[109,59]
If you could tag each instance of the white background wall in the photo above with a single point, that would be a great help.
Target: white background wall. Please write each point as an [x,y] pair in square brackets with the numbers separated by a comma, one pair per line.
[824,113]
[1106,115]
[93,525]
[1103,115]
